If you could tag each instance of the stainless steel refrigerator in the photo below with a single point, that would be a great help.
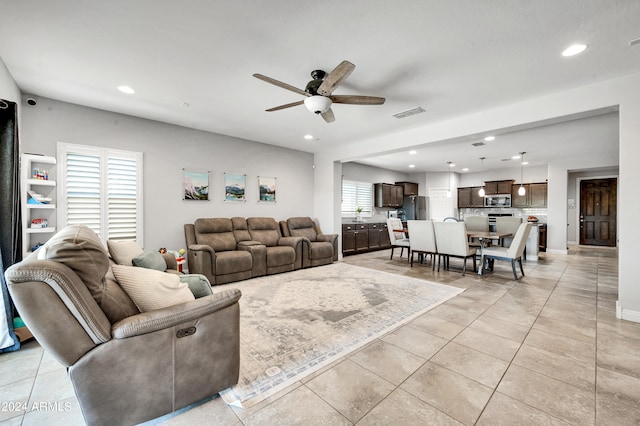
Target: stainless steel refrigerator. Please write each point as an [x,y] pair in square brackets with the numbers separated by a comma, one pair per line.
[415,208]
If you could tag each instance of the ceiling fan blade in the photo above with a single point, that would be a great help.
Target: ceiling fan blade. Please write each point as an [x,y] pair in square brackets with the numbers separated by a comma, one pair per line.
[281,84]
[278,108]
[328,116]
[357,100]
[336,77]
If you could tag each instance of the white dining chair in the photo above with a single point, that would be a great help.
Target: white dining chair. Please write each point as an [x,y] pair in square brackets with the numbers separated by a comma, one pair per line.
[512,253]
[477,224]
[451,238]
[423,239]
[397,237]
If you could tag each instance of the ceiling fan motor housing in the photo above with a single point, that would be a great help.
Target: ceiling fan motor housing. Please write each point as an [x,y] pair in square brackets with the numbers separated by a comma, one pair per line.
[313,85]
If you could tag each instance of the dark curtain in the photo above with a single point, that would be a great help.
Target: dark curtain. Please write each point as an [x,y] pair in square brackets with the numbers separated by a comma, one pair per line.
[10,235]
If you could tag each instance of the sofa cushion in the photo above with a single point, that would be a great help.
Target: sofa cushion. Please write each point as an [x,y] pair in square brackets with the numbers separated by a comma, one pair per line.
[150,259]
[79,248]
[123,252]
[230,262]
[321,250]
[302,227]
[216,233]
[280,255]
[265,230]
[151,290]
[240,229]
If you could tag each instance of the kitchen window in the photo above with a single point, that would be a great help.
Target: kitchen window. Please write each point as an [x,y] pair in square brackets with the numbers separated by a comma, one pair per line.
[356,194]
[101,188]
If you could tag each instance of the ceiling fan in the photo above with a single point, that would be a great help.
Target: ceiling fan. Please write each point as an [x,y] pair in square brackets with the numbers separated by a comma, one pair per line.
[319,91]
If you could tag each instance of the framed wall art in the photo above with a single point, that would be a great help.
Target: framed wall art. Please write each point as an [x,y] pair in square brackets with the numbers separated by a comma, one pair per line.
[266,189]
[195,185]
[234,187]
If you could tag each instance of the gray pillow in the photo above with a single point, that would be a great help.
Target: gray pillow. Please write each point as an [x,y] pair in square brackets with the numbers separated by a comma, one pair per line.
[198,284]
[151,260]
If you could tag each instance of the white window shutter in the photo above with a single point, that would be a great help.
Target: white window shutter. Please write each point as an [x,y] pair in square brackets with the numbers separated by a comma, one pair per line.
[121,199]
[82,190]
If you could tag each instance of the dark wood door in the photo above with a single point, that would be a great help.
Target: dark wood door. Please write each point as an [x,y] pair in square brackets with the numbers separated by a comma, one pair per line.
[598,212]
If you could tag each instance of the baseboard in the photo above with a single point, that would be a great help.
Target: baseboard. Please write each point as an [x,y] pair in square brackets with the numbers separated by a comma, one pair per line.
[627,314]
[554,251]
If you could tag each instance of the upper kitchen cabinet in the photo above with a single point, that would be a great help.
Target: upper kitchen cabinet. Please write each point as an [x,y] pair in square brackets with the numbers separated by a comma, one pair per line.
[535,195]
[388,195]
[469,197]
[498,187]
[409,188]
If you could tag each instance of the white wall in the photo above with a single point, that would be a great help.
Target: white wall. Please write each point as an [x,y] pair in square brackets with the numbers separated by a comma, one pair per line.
[532,174]
[8,88]
[167,150]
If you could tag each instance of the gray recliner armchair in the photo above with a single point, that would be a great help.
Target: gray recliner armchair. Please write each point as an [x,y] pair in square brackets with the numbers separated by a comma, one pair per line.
[319,248]
[126,367]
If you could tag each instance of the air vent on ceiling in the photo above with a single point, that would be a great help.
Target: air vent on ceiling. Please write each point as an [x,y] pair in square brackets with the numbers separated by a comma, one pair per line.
[478,143]
[506,159]
[636,41]
[409,112]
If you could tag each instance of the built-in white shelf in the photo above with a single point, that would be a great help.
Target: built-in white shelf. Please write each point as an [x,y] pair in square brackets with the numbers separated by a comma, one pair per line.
[47,230]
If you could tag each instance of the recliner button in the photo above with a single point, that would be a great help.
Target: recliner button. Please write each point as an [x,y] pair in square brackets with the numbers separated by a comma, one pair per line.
[186,332]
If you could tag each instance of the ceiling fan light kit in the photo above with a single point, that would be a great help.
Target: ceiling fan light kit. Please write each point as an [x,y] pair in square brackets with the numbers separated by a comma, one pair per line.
[318,91]
[317,104]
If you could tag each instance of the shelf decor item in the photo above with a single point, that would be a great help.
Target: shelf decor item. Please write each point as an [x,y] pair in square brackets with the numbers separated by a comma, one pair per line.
[266,189]
[195,185]
[234,187]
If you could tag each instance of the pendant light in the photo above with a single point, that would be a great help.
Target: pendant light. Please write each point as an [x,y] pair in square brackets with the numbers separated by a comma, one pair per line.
[522,191]
[449,164]
[481,192]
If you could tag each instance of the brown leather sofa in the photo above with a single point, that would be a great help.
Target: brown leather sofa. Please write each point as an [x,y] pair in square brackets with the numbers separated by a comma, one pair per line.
[283,253]
[221,252]
[319,249]
[126,367]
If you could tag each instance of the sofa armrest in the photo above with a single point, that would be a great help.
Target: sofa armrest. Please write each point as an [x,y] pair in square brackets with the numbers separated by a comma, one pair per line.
[202,260]
[170,260]
[333,239]
[160,319]
[297,243]
[258,255]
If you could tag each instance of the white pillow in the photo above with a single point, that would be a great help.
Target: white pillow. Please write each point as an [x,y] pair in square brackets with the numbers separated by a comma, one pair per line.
[122,252]
[150,289]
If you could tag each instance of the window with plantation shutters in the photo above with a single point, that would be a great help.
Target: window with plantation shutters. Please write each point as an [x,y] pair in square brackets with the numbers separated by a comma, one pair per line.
[101,188]
[356,194]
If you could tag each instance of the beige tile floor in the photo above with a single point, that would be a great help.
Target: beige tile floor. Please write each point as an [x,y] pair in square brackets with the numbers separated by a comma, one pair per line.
[544,350]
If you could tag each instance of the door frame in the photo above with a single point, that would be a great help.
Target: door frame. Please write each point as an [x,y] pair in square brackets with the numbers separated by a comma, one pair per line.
[579,204]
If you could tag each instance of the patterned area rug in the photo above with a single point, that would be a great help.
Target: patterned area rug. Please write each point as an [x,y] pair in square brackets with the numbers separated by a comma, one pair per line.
[295,323]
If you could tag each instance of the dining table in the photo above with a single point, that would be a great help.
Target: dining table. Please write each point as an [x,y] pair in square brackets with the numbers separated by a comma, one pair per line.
[485,236]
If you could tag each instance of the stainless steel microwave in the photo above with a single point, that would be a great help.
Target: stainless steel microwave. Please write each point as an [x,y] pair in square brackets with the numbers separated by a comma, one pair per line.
[497,200]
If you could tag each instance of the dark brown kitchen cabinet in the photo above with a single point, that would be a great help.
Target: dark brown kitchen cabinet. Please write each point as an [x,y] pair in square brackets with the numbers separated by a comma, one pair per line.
[409,188]
[498,187]
[362,237]
[469,197]
[535,195]
[520,200]
[538,197]
[542,238]
[388,195]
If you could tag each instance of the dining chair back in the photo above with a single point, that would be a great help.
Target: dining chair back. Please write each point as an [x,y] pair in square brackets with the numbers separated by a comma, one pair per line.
[451,238]
[512,253]
[397,237]
[508,224]
[423,239]
[479,224]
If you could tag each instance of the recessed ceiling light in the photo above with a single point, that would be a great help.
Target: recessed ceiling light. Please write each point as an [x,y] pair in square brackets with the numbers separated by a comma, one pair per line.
[413,152]
[515,157]
[308,137]
[466,169]
[524,163]
[489,138]
[126,89]
[411,166]
[574,49]
[451,165]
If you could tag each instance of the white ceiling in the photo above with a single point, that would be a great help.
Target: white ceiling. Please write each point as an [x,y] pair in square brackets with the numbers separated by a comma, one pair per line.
[451,58]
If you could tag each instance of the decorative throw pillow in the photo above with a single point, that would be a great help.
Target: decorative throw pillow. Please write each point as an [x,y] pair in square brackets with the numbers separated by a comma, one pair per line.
[198,284]
[150,259]
[151,290]
[123,252]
